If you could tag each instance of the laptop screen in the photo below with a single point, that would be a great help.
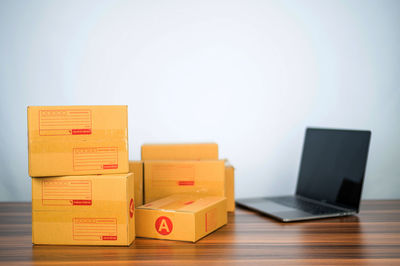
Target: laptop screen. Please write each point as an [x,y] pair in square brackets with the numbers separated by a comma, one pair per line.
[333,165]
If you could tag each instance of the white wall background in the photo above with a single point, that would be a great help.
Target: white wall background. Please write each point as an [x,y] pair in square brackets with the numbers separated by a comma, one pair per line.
[250,75]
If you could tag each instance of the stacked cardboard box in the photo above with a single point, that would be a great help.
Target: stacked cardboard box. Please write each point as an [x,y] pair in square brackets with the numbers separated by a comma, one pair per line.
[180,179]
[186,217]
[186,162]
[82,193]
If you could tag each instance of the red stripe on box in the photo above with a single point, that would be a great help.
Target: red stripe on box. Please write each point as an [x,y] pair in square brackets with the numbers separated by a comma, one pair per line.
[110,166]
[109,237]
[185,183]
[82,202]
[81,131]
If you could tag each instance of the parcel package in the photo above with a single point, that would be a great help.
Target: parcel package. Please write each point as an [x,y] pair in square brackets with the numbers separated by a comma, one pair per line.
[181,217]
[198,151]
[83,210]
[77,140]
[164,178]
[136,167]
[230,186]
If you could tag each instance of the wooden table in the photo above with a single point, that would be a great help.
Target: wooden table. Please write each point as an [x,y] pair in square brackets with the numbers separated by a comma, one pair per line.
[373,237]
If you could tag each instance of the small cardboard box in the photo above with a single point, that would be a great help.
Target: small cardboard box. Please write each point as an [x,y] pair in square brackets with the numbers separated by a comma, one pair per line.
[230,186]
[200,151]
[77,140]
[164,178]
[136,167]
[181,217]
[83,210]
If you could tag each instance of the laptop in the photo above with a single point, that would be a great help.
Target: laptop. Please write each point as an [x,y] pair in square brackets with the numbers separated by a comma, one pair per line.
[330,178]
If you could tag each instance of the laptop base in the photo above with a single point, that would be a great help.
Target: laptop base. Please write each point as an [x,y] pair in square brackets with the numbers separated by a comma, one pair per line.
[276,207]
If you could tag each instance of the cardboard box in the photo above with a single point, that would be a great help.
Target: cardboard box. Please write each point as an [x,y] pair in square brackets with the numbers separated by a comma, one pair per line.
[136,167]
[165,178]
[77,140]
[83,210]
[200,151]
[181,217]
[230,186]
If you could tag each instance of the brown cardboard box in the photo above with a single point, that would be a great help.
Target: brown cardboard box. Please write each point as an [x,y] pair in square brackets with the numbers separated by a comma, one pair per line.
[136,167]
[230,186]
[83,210]
[181,217]
[77,140]
[199,151]
[164,178]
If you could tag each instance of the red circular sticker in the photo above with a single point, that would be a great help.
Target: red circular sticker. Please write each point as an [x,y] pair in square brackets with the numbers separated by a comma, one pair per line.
[131,208]
[163,225]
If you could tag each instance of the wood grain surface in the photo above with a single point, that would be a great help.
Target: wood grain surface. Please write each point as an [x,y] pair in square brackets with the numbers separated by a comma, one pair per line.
[371,238]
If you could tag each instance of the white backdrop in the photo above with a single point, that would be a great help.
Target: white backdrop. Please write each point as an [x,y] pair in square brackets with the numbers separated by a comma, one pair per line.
[250,75]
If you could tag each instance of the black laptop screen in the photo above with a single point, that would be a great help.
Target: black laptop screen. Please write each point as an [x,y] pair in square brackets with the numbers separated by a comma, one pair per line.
[333,165]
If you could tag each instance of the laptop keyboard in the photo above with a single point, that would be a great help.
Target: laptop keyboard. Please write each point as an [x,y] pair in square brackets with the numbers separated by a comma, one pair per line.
[304,205]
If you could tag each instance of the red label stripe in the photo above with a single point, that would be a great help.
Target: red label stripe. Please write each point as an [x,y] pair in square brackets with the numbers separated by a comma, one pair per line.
[185,183]
[81,131]
[82,202]
[109,237]
[110,166]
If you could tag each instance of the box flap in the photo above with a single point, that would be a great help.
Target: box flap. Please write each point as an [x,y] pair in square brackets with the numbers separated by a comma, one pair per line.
[183,203]
[183,151]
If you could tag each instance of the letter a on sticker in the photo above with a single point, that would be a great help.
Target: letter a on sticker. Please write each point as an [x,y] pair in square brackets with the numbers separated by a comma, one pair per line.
[163,225]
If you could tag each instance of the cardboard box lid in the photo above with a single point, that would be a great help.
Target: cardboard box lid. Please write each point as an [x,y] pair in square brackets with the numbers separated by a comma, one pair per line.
[180,151]
[180,144]
[182,203]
